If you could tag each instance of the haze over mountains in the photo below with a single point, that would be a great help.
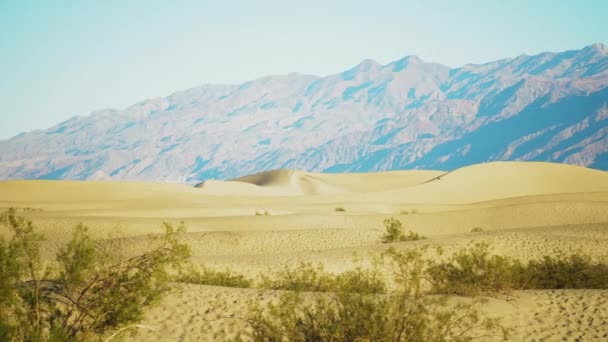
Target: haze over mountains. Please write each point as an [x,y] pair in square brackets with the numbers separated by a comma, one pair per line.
[408,114]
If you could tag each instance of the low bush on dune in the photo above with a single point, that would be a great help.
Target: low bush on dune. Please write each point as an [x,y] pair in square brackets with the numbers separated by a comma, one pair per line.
[363,317]
[405,212]
[262,213]
[476,270]
[359,308]
[394,232]
[573,272]
[206,276]
[313,278]
[29,209]
[476,230]
[304,277]
[339,209]
[85,292]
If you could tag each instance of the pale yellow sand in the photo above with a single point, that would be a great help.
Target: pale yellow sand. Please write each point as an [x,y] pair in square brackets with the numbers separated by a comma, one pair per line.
[526,210]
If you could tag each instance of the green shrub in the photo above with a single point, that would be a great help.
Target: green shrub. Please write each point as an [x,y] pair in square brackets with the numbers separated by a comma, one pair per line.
[476,230]
[474,270]
[358,308]
[394,232]
[206,276]
[262,213]
[359,280]
[307,277]
[30,209]
[352,312]
[81,295]
[573,272]
[361,317]
[340,209]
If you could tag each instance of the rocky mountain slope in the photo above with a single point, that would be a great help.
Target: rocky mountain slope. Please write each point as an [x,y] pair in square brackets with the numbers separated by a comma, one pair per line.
[404,115]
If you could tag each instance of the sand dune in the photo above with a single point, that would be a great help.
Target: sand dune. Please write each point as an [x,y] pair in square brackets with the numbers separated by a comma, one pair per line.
[497,180]
[272,183]
[310,183]
[526,210]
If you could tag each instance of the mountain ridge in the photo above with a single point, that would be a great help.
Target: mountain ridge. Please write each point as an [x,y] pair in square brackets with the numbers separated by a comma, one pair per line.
[406,114]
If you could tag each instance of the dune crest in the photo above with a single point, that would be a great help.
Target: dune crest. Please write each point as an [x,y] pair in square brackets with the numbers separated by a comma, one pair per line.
[470,184]
[302,183]
[272,183]
[292,182]
[500,180]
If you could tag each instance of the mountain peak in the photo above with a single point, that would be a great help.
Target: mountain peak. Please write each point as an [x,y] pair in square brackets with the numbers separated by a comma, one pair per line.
[404,62]
[367,65]
[598,47]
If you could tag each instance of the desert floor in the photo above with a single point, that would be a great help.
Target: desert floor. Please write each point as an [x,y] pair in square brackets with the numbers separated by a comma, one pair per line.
[526,210]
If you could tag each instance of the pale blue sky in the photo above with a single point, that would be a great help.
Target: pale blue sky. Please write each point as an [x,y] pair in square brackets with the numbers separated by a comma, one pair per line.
[62,58]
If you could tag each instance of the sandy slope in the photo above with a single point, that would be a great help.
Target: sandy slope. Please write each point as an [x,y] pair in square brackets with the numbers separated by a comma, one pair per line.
[526,210]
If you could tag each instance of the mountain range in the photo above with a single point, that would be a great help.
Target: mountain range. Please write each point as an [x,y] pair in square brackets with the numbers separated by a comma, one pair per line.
[408,114]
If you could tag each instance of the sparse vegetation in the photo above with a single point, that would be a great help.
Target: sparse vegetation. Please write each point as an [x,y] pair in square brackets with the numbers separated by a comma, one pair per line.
[475,270]
[206,276]
[394,232]
[472,271]
[30,209]
[340,209]
[573,272]
[361,317]
[406,212]
[23,209]
[308,277]
[88,291]
[82,294]
[262,213]
[359,306]
[354,313]
[477,230]
[305,277]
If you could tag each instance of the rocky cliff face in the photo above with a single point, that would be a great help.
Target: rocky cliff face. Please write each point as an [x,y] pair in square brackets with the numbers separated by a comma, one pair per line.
[406,114]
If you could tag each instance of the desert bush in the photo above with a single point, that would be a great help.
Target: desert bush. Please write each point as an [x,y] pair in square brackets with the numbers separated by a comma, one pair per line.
[79,295]
[573,272]
[206,276]
[308,277]
[474,270]
[30,209]
[364,317]
[359,280]
[358,314]
[394,232]
[262,213]
[476,230]
[339,209]
[304,277]
[355,306]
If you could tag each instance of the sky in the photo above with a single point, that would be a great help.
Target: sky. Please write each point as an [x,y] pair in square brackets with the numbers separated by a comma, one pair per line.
[61,58]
